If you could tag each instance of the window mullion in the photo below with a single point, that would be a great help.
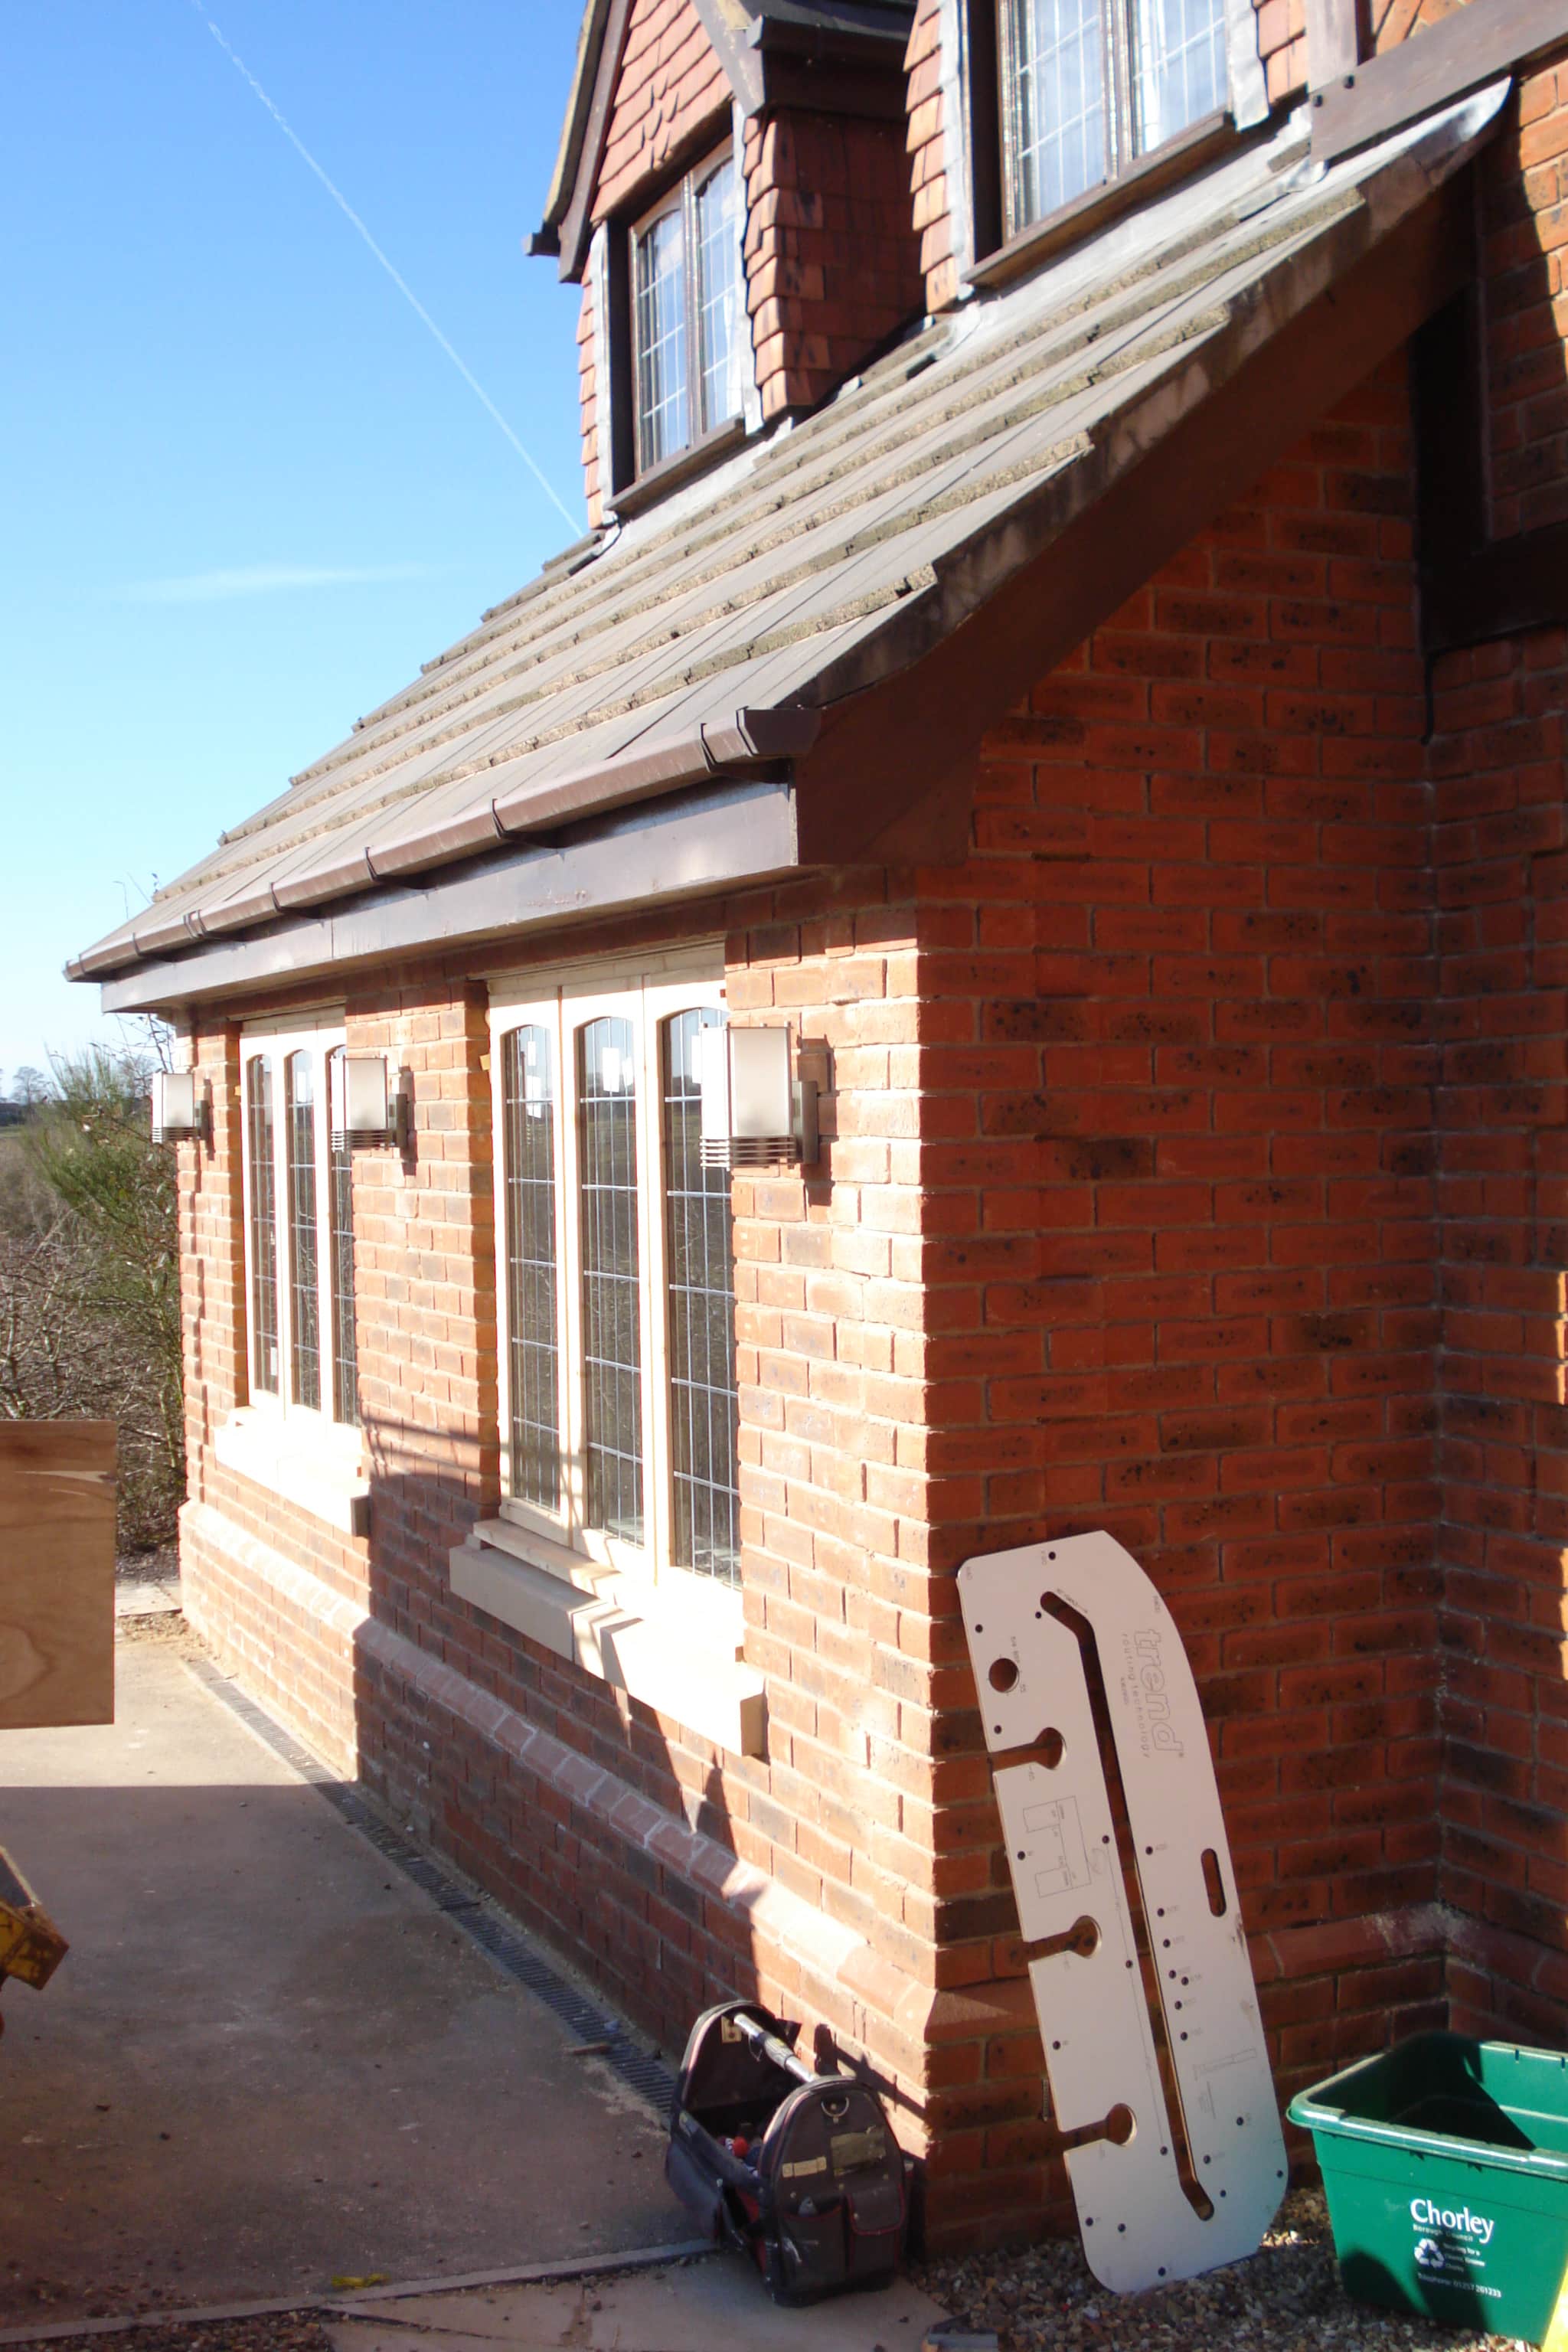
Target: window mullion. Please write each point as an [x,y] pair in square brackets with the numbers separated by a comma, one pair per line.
[326,1307]
[569,1249]
[1116,18]
[282,1223]
[693,305]
[655,1289]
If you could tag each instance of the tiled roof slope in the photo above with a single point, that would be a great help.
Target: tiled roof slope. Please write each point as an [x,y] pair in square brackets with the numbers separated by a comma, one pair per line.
[713,630]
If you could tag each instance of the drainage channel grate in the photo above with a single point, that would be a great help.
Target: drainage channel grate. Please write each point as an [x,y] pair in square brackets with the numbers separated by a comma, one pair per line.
[479,1920]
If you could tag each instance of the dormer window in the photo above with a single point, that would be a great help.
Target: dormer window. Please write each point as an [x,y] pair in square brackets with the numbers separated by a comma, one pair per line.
[687,327]
[1087,86]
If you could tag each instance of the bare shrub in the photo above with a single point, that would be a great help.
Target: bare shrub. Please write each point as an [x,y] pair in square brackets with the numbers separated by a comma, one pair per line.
[90,1306]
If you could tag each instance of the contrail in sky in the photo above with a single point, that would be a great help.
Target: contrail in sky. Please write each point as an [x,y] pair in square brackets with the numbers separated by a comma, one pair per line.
[401,283]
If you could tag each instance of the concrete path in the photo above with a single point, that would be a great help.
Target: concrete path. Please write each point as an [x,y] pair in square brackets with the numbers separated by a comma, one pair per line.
[716,2305]
[269,2061]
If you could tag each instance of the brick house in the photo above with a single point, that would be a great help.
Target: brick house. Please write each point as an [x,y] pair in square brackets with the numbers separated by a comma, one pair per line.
[1073,631]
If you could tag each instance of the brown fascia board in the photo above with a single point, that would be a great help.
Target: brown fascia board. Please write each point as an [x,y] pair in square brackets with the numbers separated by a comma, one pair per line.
[1431,69]
[585,81]
[710,841]
[722,749]
[889,776]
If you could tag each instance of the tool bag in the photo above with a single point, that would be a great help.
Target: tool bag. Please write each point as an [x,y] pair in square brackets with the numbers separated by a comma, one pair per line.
[798,2168]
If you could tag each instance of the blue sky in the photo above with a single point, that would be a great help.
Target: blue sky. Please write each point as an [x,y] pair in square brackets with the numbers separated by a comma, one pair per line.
[247,494]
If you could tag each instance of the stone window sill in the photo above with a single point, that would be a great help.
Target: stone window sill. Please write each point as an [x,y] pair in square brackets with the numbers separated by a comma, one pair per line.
[676,1655]
[316,1467]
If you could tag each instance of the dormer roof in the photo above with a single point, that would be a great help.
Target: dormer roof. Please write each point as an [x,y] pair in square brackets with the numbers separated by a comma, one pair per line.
[843,57]
[827,622]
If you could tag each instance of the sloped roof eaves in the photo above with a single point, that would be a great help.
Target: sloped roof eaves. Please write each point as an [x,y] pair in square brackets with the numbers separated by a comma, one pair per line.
[684,846]
[827,559]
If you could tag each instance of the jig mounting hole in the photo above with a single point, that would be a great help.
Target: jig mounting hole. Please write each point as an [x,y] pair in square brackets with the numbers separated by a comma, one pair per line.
[1119,2126]
[1214,1885]
[1004,1673]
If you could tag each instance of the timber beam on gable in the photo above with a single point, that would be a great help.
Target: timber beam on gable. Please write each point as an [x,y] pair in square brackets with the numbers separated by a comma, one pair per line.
[1474,588]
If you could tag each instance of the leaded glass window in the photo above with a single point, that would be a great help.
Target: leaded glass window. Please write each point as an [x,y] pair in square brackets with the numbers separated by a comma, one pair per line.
[688,314]
[534,1361]
[663,425]
[1088,86]
[263,1224]
[718,295]
[304,1260]
[299,1230]
[346,1333]
[619,1406]
[608,1208]
[699,1273]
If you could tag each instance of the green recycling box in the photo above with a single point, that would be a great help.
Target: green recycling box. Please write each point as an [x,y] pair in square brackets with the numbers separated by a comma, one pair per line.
[1446,2167]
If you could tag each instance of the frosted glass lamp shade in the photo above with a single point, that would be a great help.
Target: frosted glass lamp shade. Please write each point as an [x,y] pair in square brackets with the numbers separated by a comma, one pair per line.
[178,1108]
[748,1098]
[368,1108]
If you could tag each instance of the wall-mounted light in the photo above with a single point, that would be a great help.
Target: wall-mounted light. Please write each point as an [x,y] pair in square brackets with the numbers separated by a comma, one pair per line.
[372,1109]
[181,1107]
[755,1113]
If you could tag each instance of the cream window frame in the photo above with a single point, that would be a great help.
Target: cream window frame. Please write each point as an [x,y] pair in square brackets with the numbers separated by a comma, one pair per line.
[276,1044]
[647,992]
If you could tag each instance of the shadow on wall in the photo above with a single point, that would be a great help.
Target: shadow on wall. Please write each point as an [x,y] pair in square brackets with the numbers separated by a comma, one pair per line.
[555,1791]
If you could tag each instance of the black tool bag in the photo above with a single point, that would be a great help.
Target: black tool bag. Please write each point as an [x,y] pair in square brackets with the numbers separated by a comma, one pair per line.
[798,2168]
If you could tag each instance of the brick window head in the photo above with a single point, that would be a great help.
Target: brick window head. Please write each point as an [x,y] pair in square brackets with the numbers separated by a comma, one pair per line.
[688,318]
[1081,91]
[299,1230]
[619,1414]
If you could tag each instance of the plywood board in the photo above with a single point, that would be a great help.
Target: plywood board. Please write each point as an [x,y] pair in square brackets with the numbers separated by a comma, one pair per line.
[1101,2036]
[56,1573]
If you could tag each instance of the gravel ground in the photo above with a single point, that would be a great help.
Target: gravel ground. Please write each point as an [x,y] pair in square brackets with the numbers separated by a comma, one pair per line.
[288,2331]
[1288,2298]
[159,1565]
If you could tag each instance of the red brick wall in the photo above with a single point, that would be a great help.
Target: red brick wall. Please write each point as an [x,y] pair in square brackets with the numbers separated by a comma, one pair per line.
[1177,1119]
[363,1647]
[1501,845]
[1498,762]
[1524,223]
[831,260]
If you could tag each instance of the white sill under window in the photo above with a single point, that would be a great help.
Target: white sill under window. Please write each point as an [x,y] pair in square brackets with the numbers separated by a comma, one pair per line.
[317,1464]
[674,1645]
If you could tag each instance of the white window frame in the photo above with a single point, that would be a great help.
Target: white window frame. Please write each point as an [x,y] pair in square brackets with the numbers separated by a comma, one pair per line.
[647,992]
[275,1044]
[682,199]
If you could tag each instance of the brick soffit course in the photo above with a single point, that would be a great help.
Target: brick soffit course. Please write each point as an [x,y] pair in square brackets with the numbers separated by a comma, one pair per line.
[947,527]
